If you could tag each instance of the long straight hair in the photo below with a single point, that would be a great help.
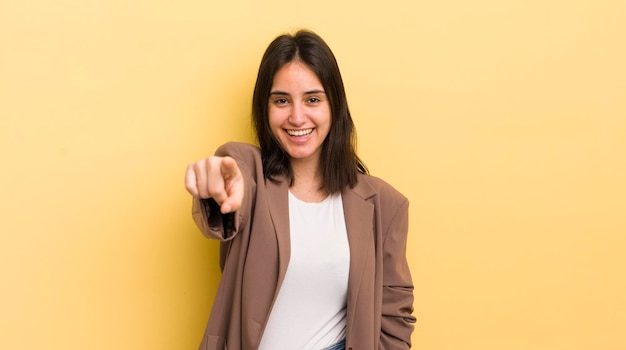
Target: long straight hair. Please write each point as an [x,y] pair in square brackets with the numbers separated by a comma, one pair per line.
[339,163]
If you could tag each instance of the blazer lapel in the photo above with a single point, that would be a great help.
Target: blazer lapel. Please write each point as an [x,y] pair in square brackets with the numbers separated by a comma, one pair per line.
[359,216]
[278,203]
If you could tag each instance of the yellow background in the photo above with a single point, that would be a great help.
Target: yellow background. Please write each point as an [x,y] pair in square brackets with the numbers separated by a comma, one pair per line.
[504,122]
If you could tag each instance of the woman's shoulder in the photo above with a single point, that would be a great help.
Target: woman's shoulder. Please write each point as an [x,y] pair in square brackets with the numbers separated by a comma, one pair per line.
[238,147]
[248,156]
[381,187]
[239,150]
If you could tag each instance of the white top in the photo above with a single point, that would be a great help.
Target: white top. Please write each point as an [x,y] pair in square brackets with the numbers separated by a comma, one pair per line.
[310,310]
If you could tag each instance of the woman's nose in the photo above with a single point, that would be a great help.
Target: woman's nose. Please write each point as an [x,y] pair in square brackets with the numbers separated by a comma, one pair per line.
[297,116]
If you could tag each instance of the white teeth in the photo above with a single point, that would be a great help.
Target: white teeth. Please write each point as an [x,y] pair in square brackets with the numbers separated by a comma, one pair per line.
[299,132]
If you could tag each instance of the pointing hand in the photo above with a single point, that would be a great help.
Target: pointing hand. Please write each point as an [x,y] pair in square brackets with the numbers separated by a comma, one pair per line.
[218,178]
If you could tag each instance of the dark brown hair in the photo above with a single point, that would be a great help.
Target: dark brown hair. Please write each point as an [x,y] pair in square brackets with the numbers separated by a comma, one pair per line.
[339,163]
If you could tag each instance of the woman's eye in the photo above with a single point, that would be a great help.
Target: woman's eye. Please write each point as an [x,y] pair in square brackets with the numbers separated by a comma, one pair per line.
[314,100]
[280,101]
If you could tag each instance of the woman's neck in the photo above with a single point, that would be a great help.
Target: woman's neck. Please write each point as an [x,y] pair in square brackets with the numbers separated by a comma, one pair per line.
[307,182]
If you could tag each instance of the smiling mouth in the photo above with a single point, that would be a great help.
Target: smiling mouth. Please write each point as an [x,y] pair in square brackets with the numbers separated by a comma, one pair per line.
[302,132]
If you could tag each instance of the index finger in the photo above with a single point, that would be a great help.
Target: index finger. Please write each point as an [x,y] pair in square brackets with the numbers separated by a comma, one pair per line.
[229,167]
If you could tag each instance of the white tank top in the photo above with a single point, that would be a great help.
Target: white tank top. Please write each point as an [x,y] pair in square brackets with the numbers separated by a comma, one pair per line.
[310,310]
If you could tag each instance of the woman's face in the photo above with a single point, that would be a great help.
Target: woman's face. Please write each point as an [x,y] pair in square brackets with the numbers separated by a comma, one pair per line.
[299,112]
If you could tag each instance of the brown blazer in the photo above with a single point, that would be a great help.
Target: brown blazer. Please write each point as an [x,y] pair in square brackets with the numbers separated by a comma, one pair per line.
[254,254]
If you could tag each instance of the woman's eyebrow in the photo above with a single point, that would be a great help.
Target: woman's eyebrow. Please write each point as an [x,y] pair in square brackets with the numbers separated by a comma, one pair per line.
[315,92]
[278,92]
[283,93]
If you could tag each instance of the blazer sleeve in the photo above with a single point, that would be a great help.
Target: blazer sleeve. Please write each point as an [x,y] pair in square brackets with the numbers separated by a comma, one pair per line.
[397,322]
[206,212]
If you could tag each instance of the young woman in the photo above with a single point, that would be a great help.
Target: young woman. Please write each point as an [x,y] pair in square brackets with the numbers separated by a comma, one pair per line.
[313,251]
